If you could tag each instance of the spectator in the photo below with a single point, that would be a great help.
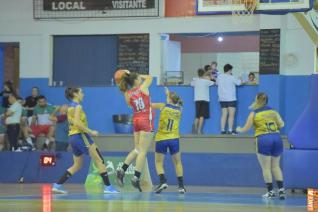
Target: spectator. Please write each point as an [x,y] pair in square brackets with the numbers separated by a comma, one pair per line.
[207,68]
[13,115]
[227,96]
[25,129]
[214,71]
[61,129]
[7,90]
[31,101]
[202,99]
[42,124]
[2,129]
[251,79]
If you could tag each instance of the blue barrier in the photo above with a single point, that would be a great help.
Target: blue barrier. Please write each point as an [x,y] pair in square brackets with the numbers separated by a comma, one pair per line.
[201,169]
[300,168]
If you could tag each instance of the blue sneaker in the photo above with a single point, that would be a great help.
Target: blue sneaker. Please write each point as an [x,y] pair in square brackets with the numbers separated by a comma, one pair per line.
[58,189]
[110,190]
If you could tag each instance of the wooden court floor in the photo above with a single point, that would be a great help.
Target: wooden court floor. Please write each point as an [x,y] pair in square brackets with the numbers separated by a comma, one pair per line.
[37,197]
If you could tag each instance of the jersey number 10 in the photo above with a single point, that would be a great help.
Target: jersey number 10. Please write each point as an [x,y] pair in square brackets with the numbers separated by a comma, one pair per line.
[271,126]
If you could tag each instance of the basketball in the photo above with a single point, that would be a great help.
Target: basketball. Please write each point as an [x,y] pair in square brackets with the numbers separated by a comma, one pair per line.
[118,75]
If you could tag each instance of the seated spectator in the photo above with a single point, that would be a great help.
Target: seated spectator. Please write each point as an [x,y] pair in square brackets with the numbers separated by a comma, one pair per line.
[2,129]
[42,123]
[25,129]
[61,129]
[202,99]
[31,101]
[227,97]
[251,79]
[12,121]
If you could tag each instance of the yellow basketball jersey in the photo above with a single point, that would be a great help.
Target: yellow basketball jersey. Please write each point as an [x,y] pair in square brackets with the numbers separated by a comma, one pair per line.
[169,123]
[267,120]
[70,117]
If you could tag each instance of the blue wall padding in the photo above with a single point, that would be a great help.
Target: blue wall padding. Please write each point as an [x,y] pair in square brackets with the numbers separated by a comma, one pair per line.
[201,169]
[13,166]
[101,103]
[300,168]
[304,133]
[217,169]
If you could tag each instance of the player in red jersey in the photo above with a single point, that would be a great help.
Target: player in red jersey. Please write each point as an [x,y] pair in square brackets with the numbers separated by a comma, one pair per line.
[135,88]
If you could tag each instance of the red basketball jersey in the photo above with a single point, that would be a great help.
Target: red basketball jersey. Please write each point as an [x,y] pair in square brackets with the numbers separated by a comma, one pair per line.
[140,102]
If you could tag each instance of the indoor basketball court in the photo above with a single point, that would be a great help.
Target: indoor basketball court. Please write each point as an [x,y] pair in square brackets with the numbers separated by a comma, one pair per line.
[158,105]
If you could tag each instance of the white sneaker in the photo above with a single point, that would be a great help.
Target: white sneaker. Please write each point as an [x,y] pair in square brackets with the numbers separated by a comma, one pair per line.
[18,150]
[282,193]
[269,195]
[110,190]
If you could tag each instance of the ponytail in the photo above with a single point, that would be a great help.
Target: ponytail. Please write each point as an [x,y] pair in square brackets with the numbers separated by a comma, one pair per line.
[261,100]
[175,98]
[70,91]
[127,81]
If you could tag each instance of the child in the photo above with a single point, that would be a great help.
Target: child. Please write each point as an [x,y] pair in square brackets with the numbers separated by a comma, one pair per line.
[227,96]
[202,99]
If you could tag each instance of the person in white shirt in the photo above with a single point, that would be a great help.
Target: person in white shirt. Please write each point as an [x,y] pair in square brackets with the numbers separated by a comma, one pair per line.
[227,97]
[202,99]
[12,121]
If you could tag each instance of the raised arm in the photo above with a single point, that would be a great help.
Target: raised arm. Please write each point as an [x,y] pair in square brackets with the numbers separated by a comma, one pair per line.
[146,83]
[127,99]
[160,106]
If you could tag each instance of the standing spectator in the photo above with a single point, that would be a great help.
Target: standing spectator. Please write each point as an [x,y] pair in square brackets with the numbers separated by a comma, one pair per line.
[227,96]
[13,115]
[207,68]
[31,101]
[2,129]
[61,128]
[7,90]
[42,123]
[202,99]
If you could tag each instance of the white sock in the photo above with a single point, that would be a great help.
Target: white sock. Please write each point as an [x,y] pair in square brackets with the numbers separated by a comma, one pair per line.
[29,141]
[47,141]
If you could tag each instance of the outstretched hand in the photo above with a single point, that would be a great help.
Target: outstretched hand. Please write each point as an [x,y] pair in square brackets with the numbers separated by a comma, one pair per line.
[167,91]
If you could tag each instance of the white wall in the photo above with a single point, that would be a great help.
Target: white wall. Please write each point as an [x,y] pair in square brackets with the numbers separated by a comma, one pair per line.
[17,25]
[191,62]
[296,42]
[243,62]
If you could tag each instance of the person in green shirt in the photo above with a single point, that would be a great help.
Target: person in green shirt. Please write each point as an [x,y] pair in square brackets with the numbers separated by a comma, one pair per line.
[42,122]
